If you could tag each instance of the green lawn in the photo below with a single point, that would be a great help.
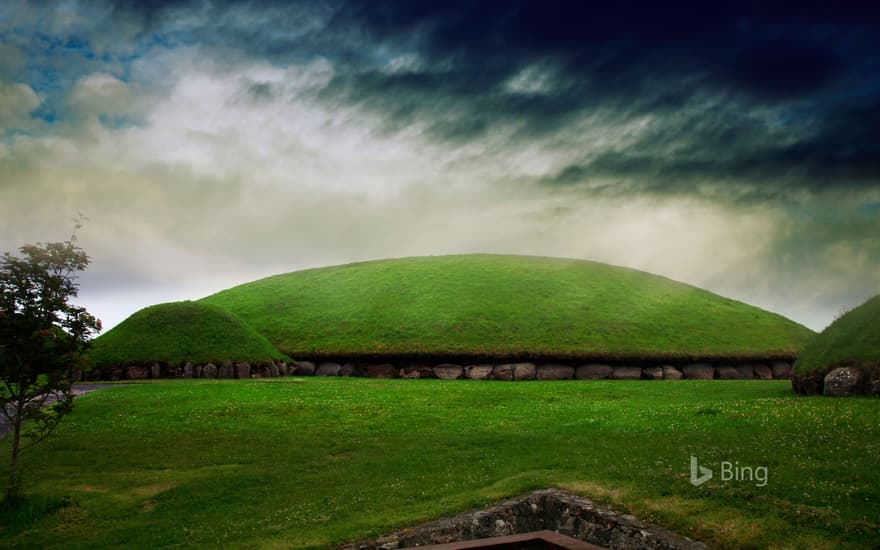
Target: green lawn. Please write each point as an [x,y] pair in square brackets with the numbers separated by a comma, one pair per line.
[290,462]
[488,304]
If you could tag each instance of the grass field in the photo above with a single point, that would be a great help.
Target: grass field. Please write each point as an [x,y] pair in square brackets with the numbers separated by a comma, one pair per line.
[290,462]
[497,305]
[181,331]
[853,337]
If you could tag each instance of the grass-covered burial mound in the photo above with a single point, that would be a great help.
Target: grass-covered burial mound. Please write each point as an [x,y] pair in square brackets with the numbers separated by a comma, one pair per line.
[178,332]
[492,306]
[845,358]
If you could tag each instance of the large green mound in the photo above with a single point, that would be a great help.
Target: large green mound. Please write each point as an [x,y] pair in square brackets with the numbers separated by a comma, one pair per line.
[853,338]
[181,331]
[494,306]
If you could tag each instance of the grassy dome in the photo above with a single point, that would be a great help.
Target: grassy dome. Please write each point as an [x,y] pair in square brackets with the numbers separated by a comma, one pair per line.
[853,338]
[181,331]
[491,305]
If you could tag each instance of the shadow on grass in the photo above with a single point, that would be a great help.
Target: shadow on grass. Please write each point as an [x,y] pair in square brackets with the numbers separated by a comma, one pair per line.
[19,514]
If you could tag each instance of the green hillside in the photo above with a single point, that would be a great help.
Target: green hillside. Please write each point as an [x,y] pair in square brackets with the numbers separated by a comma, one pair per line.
[181,331]
[854,337]
[502,305]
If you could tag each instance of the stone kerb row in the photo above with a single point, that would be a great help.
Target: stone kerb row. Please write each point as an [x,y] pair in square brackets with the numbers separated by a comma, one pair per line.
[840,381]
[447,371]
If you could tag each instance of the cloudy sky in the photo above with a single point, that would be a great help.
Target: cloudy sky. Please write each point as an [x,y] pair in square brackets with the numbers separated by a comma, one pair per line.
[210,144]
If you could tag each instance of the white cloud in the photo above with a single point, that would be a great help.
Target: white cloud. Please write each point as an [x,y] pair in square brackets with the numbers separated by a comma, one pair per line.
[101,93]
[537,79]
[11,59]
[17,102]
[405,63]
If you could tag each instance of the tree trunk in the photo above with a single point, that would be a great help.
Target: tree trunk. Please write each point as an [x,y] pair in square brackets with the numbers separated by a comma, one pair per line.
[13,484]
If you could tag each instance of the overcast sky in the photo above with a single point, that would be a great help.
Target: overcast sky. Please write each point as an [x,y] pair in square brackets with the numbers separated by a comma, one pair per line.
[212,144]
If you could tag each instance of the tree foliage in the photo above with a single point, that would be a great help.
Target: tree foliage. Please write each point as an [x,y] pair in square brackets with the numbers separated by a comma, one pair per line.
[42,340]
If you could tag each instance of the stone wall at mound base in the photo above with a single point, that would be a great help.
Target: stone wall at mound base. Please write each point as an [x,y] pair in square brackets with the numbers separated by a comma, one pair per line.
[448,371]
[847,379]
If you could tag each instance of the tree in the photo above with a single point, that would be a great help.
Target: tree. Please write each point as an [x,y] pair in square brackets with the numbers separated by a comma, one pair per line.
[42,340]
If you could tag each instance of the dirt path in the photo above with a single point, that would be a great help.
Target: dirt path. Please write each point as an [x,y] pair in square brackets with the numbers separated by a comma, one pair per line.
[78,389]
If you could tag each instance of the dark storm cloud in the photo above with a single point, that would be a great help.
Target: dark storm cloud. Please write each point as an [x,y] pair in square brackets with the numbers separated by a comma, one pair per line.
[842,151]
[785,67]
[814,73]
[769,54]
[533,68]
[805,68]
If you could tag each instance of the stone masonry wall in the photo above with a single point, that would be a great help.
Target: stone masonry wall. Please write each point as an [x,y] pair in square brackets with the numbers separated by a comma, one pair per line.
[448,371]
[547,509]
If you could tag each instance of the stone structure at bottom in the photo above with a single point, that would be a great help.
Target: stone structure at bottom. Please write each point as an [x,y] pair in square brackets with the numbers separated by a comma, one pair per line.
[548,509]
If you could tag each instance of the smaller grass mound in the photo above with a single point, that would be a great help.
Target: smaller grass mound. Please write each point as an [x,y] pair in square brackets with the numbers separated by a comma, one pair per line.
[853,338]
[851,341]
[181,331]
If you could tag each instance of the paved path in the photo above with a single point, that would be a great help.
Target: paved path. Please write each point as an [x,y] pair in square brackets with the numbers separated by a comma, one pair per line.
[78,389]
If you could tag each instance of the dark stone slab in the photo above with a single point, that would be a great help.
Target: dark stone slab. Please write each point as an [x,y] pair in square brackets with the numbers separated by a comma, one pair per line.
[524,371]
[555,372]
[304,368]
[137,372]
[385,370]
[652,373]
[242,370]
[593,372]
[328,369]
[698,371]
[781,371]
[417,371]
[349,370]
[874,381]
[747,372]
[844,382]
[226,370]
[728,373]
[808,384]
[626,373]
[503,372]
[479,372]
[763,372]
[448,371]
[672,373]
